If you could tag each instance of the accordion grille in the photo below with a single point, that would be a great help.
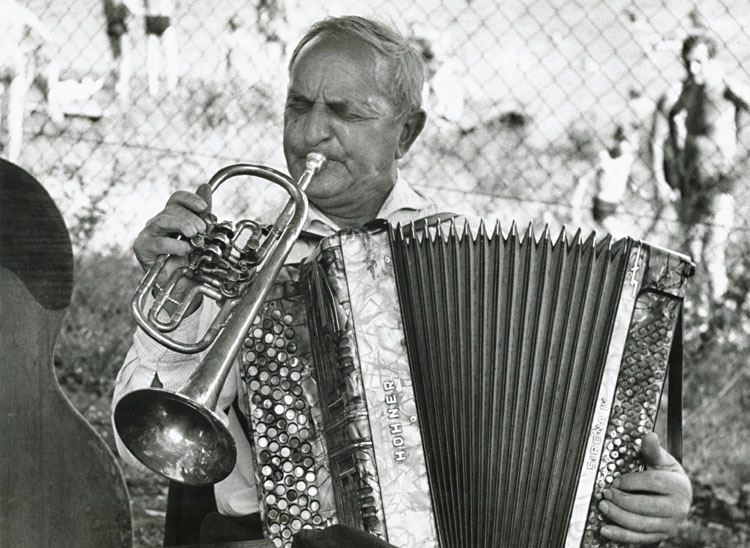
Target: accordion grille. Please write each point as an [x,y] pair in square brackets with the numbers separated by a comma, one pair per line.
[507,337]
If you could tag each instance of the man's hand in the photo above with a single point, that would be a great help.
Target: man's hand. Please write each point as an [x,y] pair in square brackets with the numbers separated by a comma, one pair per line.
[180,217]
[648,506]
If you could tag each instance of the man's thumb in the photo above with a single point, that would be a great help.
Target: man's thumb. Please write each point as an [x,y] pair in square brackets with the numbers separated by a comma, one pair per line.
[204,191]
[654,455]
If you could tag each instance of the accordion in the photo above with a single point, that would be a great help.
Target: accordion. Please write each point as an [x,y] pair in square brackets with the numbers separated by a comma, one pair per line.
[443,386]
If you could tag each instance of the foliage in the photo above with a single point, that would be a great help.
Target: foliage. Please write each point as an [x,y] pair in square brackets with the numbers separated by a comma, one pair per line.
[98,328]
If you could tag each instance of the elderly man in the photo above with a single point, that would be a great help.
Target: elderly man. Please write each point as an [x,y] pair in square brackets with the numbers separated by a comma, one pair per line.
[354,95]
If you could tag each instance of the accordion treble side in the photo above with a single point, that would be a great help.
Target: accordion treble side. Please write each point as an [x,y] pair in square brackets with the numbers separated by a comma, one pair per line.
[460,388]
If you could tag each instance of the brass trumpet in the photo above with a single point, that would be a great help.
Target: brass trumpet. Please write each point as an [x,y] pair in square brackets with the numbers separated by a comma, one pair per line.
[178,434]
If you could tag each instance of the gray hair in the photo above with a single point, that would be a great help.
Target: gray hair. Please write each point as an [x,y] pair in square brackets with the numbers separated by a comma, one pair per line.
[405,62]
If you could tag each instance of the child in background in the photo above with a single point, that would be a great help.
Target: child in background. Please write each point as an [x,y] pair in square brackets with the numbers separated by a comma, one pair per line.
[610,178]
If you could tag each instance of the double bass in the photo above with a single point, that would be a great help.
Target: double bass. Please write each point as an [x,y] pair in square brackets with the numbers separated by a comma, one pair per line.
[60,485]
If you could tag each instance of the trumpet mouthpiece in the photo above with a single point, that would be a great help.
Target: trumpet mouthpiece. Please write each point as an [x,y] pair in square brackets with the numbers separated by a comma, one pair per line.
[315,161]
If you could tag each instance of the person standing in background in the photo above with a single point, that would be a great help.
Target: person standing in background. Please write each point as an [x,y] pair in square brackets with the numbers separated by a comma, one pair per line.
[116,15]
[710,101]
[160,33]
[23,41]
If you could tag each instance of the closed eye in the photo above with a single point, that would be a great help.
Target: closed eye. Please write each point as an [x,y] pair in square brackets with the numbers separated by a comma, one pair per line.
[346,112]
[343,110]
[298,104]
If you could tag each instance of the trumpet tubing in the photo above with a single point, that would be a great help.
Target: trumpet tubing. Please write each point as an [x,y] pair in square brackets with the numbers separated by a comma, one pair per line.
[178,434]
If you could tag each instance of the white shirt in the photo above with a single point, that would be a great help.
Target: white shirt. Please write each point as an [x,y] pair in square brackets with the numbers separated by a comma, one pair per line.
[236,495]
[613,174]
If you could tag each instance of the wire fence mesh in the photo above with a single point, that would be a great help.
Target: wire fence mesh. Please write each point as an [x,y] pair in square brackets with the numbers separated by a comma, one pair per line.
[522,97]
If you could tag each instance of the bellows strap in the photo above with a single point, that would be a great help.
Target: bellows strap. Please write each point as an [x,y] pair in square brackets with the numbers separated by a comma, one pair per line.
[674,405]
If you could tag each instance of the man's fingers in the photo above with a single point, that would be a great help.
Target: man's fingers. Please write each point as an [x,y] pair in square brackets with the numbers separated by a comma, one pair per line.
[171,246]
[635,521]
[182,215]
[625,536]
[662,482]
[191,201]
[171,222]
[659,506]
[148,249]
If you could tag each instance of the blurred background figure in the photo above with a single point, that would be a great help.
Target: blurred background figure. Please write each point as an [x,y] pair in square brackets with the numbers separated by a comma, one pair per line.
[25,58]
[610,179]
[251,58]
[443,96]
[711,101]
[160,34]
[273,23]
[116,14]
[666,159]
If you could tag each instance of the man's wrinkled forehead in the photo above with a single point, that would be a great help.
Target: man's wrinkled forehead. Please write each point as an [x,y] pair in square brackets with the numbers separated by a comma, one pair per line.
[372,62]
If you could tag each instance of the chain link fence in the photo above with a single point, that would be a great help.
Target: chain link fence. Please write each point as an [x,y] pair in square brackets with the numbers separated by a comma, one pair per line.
[523,96]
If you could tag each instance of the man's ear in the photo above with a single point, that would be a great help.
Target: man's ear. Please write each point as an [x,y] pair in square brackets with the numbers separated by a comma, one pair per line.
[412,127]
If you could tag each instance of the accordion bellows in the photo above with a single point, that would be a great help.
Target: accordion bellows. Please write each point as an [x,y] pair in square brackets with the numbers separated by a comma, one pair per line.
[463,388]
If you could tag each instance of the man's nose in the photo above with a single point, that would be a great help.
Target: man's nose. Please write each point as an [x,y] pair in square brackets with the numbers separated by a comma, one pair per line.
[318,124]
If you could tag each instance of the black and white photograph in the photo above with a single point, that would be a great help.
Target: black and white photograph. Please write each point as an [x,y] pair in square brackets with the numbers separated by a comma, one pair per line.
[374,274]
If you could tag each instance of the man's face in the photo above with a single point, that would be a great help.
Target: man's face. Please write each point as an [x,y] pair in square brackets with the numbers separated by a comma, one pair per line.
[698,63]
[336,105]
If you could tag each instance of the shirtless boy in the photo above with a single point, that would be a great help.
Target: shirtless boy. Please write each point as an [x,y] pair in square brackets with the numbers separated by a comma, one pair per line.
[711,102]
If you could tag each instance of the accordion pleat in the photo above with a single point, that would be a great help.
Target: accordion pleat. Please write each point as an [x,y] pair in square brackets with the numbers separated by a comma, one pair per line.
[507,336]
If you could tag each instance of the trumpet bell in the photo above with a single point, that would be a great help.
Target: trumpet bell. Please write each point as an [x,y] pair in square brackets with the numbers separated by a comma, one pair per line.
[175,437]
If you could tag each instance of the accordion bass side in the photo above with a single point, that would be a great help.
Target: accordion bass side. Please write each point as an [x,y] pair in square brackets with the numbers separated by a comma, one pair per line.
[444,387]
